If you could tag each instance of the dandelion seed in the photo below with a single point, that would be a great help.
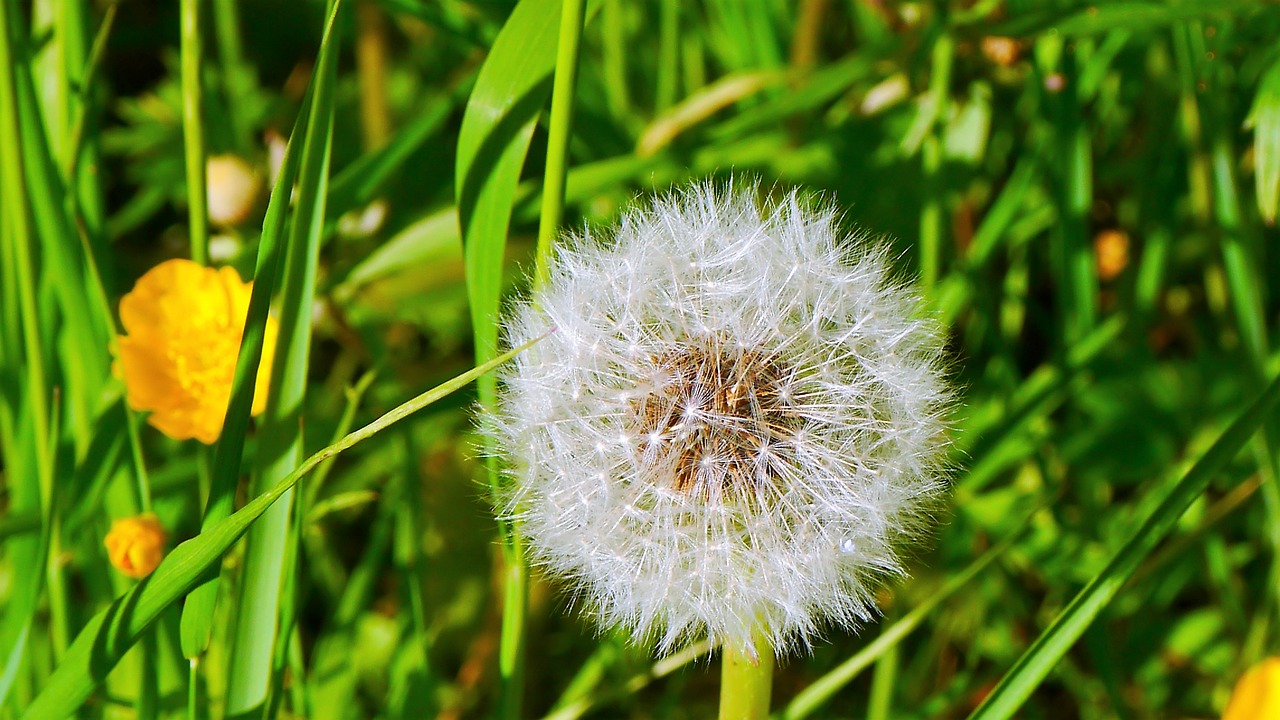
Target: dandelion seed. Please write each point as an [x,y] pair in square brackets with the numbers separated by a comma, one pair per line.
[781,401]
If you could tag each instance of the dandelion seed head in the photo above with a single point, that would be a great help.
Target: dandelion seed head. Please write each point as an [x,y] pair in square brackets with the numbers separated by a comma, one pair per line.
[736,426]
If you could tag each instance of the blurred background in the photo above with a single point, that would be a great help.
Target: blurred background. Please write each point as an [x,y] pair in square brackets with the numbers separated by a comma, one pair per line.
[1086,191]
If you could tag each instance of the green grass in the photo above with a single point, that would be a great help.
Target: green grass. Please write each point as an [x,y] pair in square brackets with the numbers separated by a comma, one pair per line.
[1112,543]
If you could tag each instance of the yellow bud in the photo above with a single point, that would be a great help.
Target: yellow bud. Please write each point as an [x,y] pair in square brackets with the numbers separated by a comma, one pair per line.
[135,545]
[233,190]
[1111,251]
[1257,693]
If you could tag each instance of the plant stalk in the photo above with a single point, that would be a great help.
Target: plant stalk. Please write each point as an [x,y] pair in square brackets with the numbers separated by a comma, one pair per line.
[746,681]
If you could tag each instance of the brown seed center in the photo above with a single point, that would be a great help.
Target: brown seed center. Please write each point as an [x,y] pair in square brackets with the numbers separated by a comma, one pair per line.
[713,417]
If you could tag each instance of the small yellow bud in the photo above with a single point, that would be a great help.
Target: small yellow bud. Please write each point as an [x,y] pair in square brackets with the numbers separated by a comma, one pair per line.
[234,186]
[1111,251]
[1257,693]
[135,545]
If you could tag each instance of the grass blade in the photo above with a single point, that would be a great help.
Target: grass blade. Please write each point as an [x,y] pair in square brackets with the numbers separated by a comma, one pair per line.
[114,630]
[1039,660]
[281,443]
[823,689]
[1264,118]
[197,615]
[509,93]
[193,132]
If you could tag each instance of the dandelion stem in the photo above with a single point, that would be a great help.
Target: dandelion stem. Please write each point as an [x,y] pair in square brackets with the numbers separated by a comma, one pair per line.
[746,681]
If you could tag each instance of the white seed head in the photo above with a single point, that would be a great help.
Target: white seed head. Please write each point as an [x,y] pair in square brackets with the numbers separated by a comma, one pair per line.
[734,426]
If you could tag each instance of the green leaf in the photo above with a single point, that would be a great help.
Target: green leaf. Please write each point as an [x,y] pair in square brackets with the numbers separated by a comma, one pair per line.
[197,616]
[825,687]
[106,637]
[1040,659]
[1264,119]
[1092,17]
[281,442]
[510,92]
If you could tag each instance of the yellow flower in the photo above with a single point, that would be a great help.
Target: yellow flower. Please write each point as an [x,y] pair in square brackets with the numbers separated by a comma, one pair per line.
[183,324]
[1257,693]
[135,545]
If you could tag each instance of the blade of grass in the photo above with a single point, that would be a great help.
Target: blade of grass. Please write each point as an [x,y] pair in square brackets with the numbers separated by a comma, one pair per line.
[411,564]
[1077,280]
[32,485]
[332,680]
[703,104]
[197,614]
[1039,660]
[562,92]
[931,212]
[956,287]
[823,689]
[115,629]
[281,441]
[492,143]
[636,683]
[82,158]
[193,132]
[1264,120]
[239,78]
[883,679]
[668,56]
[615,52]
[82,356]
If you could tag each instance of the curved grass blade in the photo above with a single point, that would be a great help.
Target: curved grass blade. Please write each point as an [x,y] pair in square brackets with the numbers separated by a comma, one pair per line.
[509,93]
[281,440]
[114,630]
[1040,659]
[193,132]
[197,615]
[1264,120]
[824,688]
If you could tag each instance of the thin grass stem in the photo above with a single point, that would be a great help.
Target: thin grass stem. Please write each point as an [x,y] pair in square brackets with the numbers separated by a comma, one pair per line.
[193,135]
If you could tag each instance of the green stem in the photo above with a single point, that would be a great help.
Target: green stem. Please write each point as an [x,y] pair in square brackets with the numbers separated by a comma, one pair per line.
[238,78]
[193,689]
[193,132]
[571,19]
[746,681]
[516,574]
[668,56]
[931,214]
[615,51]
[515,601]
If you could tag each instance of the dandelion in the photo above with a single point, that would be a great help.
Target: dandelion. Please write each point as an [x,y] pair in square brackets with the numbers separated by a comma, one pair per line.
[183,324]
[135,545]
[734,428]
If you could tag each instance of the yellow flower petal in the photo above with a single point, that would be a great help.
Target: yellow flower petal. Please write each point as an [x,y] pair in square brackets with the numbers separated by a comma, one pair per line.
[135,545]
[1257,693]
[184,323]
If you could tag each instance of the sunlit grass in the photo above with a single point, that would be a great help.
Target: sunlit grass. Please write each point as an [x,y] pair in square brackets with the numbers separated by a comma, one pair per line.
[1086,189]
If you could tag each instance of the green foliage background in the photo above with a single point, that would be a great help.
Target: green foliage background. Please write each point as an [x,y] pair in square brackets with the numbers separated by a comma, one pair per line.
[1087,191]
